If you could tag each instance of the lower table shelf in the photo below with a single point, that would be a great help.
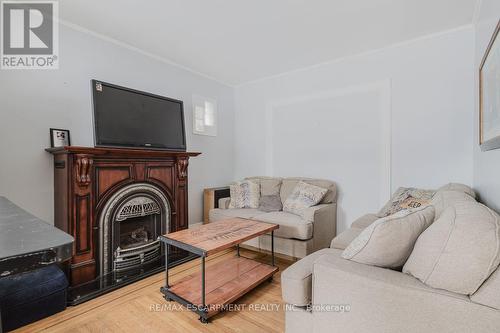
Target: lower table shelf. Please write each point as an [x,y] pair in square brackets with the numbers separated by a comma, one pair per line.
[225,282]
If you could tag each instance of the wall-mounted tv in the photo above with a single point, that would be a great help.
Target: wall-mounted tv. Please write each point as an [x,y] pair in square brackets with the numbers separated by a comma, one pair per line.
[130,118]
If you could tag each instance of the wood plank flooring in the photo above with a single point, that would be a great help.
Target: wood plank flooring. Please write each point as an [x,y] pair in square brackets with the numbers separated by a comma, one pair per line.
[140,307]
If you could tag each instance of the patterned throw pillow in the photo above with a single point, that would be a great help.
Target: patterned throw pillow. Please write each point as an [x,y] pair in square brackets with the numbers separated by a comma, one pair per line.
[245,194]
[303,196]
[407,198]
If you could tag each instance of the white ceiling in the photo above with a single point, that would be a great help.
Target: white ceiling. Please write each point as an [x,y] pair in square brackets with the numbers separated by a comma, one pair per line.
[236,41]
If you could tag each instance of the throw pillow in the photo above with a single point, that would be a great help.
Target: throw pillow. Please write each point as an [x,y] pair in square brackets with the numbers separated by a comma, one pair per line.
[444,199]
[406,197]
[270,200]
[459,251]
[389,241]
[303,196]
[244,194]
[459,188]
[270,203]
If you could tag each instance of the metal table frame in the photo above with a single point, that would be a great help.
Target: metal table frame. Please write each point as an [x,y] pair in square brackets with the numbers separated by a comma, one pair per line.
[202,310]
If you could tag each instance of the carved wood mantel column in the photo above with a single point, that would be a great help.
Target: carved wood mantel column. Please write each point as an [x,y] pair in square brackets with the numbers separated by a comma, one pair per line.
[83,168]
[182,166]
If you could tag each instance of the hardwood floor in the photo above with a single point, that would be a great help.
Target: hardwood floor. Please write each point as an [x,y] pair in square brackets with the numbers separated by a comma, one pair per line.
[140,307]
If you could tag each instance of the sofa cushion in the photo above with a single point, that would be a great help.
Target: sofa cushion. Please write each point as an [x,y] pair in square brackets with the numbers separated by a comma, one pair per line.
[244,194]
[404,198]
[270,203]
[291,225]
[302,197]
[389,241]
[390,278]
[459,251]
[364,221]
[489,292]
[345,238]
[288,185]
[296,280]
[224,214]
[459,188]
[371,276]
[444,199]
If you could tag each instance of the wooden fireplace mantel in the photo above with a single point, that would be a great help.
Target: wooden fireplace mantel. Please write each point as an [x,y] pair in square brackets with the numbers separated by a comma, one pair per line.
[85,178]
[120,152]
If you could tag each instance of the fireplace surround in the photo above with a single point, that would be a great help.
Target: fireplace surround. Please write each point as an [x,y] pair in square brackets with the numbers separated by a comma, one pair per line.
[115,203]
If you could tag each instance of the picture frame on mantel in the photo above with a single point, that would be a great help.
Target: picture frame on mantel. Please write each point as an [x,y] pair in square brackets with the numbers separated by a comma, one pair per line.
[59,138]
[489,95]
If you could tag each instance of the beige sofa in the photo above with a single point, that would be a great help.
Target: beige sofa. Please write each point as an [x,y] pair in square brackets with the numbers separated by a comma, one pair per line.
[297,236]
[352,297]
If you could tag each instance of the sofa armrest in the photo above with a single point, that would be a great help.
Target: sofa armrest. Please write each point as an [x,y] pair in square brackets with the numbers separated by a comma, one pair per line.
[382,300]
[324,221]
[342,240]
[296,279]
[224,203]
[313,213]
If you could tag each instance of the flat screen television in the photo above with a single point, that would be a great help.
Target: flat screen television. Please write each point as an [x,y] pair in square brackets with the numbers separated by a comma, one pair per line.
[130,118]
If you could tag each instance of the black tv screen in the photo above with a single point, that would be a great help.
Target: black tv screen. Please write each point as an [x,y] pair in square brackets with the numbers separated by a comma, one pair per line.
[129,118]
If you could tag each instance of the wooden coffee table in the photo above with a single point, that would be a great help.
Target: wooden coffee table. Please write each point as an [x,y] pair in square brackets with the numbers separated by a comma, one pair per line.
[208,291]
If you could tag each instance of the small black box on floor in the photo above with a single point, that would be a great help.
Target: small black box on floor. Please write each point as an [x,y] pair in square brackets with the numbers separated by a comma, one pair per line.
[31,296]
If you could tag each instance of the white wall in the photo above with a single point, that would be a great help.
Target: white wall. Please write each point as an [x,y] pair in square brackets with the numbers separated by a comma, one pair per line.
[33,101]
[427,143]
[428,140]
[486,164]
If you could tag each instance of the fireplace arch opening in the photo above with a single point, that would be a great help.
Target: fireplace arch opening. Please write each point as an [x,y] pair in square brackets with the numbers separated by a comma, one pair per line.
[129,225]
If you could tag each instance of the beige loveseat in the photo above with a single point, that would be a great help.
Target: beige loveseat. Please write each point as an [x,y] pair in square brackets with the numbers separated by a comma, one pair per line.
[297,236]
[351,297]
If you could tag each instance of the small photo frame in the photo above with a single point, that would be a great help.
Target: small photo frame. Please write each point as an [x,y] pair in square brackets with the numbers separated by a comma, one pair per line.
[59,138]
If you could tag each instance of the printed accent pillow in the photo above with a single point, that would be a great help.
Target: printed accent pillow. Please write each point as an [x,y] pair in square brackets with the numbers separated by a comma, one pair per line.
[245,194]
[407,198]
[303,196]
[388,241]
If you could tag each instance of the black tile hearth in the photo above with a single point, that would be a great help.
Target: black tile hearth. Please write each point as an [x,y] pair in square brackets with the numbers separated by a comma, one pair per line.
[114,280]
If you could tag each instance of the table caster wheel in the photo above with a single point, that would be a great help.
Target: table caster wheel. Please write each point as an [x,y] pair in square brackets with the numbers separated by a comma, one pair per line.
[204,320]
